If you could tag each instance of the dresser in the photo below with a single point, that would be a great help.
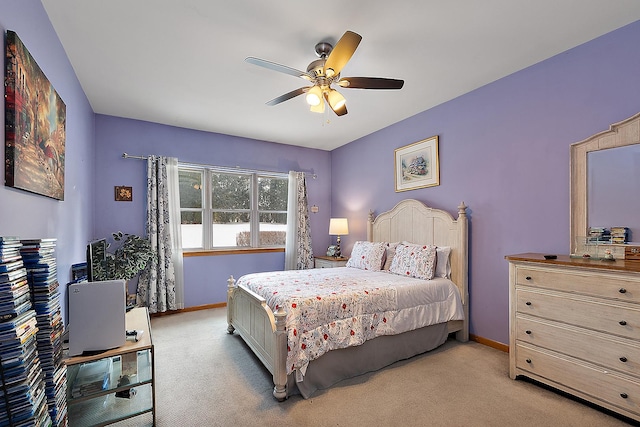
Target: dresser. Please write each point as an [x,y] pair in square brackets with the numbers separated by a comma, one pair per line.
[575,325]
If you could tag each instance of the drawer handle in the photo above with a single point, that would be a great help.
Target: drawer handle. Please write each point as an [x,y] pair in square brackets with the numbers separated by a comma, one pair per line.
[528,302]
[528,278]
[622,291]
[623,359]
[624,395]
[528,360]
[622,323]
[527,332]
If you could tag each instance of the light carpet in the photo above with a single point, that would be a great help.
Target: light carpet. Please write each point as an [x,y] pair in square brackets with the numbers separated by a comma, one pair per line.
[206,377]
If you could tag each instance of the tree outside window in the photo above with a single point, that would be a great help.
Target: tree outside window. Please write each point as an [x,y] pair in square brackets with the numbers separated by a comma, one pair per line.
[222,209]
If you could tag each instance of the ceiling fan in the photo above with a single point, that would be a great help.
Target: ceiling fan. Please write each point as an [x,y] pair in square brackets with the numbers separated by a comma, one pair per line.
[324,72]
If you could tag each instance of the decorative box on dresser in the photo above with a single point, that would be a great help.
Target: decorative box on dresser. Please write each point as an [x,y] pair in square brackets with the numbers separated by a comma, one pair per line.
[330,261]
[575,325]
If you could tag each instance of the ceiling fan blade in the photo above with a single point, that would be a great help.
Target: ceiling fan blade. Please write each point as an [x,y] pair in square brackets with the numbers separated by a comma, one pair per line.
[278,67]
[288,96]
[337,104]
[341,53]
[370,83]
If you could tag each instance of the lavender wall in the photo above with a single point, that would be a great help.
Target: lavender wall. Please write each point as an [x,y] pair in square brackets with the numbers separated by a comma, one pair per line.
[205,276]
[29,215]
[504,151]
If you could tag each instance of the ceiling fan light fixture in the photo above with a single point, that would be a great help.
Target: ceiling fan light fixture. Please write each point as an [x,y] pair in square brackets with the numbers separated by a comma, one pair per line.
[318,108]
[336,100]
[314,96]
[326,71]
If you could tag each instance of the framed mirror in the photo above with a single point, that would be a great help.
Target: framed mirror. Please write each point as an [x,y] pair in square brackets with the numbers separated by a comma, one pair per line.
[593,173]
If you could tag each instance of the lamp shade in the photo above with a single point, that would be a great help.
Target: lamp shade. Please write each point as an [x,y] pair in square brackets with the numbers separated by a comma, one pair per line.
[338,227]
[336,100]
[314,96]
[318,108]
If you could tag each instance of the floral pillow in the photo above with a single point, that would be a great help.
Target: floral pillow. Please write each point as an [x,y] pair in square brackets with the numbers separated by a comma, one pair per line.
[417,261]
[367,255]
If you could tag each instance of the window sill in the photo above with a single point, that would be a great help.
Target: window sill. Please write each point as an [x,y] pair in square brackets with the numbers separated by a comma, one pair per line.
[234,251]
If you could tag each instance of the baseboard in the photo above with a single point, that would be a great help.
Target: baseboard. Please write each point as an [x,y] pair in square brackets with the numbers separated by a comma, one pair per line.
[485,341]
[489,343]
[187,309]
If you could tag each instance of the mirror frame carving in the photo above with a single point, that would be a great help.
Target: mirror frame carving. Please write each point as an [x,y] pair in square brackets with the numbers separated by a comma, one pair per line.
[626,132]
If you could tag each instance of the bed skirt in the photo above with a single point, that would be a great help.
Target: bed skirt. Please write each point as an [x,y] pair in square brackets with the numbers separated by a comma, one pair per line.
[372,355]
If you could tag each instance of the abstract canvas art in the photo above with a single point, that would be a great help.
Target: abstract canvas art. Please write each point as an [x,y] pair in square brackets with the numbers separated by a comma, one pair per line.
[35,119]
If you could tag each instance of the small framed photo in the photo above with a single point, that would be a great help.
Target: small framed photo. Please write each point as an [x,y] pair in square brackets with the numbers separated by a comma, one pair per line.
[416,165]
[124,194]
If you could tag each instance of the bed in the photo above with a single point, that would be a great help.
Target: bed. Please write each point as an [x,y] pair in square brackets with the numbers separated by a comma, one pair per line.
[264,327]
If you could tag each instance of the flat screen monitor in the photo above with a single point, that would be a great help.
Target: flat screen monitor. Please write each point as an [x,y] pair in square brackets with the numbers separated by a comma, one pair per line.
[96,253]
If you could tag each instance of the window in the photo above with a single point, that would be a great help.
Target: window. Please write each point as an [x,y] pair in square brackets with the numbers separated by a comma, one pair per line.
[223,208]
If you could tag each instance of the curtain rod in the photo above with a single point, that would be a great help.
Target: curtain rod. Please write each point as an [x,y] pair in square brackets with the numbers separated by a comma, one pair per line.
[237,168]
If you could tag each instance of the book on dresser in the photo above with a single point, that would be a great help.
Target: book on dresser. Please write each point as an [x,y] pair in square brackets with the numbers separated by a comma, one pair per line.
[575,326]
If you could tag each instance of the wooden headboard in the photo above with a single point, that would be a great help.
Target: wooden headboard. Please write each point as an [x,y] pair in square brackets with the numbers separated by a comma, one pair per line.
[413,221]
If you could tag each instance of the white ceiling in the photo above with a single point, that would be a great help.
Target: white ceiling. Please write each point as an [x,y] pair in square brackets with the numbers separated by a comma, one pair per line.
[181,62]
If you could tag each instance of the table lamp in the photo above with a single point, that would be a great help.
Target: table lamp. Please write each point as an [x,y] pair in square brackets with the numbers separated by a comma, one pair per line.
[338,227]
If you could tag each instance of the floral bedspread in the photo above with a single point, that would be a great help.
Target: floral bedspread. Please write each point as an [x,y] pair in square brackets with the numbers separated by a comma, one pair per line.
[328,308]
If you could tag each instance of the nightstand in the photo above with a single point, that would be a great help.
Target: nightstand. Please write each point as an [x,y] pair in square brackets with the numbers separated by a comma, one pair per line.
[330,261]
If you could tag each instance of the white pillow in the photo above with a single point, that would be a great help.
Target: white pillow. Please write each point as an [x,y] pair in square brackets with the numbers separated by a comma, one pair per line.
[443,262]
[367,255]
[390,253]
[414,261]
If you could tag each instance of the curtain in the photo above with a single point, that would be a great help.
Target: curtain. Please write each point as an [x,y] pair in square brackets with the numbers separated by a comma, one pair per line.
[161,284]
[298,254]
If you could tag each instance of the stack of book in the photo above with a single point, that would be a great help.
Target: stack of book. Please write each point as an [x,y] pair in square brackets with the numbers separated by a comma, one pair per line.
[39,260]
[14,288]
[619,234]
[599,234]
[92,378]
[22,387]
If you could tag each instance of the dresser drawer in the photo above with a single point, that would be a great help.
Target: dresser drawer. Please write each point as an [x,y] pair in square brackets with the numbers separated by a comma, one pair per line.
[608,285]
[607,316]
[584,378]
[612,352]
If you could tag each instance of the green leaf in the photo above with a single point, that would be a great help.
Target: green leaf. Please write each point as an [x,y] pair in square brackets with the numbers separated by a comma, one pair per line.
[131,255]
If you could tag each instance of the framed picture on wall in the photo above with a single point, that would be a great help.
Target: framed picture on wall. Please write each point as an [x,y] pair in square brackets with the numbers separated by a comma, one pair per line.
[123,193]
[416,165]
[35,119]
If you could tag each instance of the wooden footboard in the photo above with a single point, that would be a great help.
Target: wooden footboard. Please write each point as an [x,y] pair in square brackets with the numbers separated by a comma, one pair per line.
[263,330]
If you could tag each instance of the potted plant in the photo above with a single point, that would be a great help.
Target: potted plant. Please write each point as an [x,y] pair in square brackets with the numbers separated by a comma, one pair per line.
[129,256]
